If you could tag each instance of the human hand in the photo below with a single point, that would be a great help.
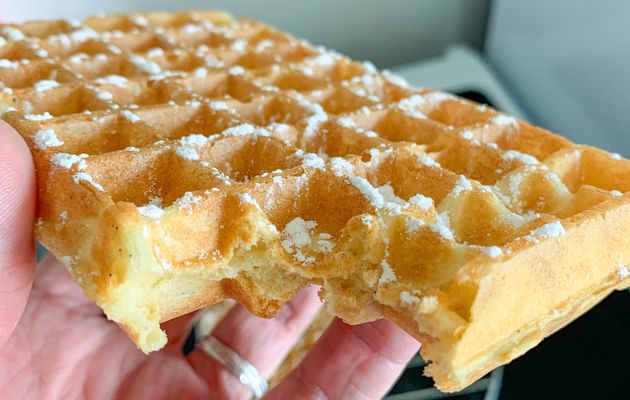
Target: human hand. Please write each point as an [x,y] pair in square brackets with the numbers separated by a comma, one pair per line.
[54,343]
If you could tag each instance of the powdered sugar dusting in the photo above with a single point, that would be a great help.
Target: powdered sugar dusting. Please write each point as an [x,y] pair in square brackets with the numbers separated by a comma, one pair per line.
[470,136]
[187,146]
[78,58]
[466,134]
[130,116]
[312,160]
[388,274]
[82,176]
[411,103]
[218,106]
[144,65]
[298,234]
[426,203]
[115,80]
[367,219]
[47,138]
[248,199]
[245,129]
[504,120]
[615,156]
[187,201]
[412,224]
[550,230]
[264,45]
[408,298]
[325,59]
[511,155]
[200,72]
[437,97]
[156,201]
[65,160]
[236,70]
[8,64]
[193,140]
[616,193]
[492,251]
[38,117]
[13,33]
[152,211]
[428,161]
[278,180]
[443,231]
[103,94]
[373,196]
[322,244]
[83,34]
[462,185]
[139,20]
[346,122]
[187,153]
[392,201]
[239,45]
[395,79]
[66,260]
[45,84]
[341,166]
[314,121]
[428,304]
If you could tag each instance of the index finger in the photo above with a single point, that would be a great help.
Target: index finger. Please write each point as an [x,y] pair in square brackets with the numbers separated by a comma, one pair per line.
[17,208]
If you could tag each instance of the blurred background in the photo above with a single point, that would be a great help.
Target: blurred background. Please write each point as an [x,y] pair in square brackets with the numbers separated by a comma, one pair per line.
[560,64]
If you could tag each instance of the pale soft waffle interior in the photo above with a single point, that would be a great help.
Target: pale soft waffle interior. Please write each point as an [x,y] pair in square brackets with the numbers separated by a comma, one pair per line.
[186,158]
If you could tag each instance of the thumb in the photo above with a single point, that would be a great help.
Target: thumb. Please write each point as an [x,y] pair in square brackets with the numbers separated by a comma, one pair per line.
[17,208]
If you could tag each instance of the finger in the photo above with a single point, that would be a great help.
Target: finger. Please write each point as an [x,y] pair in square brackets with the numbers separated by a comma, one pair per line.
[350,362]
[17,208]
[262,342]
[53,280]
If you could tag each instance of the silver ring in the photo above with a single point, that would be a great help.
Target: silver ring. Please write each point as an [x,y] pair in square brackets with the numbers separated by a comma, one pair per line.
[237,365]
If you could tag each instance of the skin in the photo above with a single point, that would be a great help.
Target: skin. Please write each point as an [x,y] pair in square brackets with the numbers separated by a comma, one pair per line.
[56,344]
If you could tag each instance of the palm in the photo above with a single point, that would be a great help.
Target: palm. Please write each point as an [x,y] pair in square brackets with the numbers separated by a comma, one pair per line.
[64,347]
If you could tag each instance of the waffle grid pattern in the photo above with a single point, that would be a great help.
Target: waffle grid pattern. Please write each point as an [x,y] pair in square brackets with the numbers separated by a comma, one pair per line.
[184,119]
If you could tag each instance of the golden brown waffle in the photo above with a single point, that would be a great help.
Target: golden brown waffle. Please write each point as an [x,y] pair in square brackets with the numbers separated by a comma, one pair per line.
[187,158]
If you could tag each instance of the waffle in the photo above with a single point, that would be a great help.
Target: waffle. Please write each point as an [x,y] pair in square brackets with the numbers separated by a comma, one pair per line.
[183,159]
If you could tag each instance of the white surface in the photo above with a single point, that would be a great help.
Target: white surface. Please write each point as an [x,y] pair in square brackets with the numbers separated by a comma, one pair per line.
[385,32]
[567,62]
[460,68]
